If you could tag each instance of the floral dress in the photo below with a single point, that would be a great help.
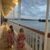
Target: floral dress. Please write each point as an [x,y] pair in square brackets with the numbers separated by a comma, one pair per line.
[20,41]
[10,36]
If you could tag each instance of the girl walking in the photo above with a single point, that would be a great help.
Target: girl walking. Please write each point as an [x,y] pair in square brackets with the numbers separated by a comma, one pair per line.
[20,40]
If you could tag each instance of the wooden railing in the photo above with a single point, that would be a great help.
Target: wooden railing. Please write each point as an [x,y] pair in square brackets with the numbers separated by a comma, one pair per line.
[34,38]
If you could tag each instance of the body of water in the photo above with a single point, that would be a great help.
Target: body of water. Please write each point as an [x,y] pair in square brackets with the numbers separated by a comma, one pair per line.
[33,24]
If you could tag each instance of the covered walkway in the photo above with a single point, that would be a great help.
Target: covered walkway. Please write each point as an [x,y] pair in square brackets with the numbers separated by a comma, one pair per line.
[35,39]
[27,47]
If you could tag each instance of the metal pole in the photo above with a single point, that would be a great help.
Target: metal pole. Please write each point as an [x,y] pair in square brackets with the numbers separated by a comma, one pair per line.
[19,9]
[46,26]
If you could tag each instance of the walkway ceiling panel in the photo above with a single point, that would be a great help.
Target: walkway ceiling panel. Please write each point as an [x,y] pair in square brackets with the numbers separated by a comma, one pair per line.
[8,5]
[0,6]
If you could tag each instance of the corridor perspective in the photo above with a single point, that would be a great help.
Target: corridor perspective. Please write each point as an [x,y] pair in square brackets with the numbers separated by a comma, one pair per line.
[24,24]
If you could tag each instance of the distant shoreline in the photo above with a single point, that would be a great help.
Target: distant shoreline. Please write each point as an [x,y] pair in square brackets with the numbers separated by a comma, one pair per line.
[43,20]
[25,19]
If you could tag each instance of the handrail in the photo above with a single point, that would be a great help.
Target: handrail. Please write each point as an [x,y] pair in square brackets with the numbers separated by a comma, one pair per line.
[35,40]
[35,30]
[40,32]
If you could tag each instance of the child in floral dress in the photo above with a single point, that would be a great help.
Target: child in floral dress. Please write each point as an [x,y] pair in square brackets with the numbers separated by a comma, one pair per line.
[20,40]
[10,36]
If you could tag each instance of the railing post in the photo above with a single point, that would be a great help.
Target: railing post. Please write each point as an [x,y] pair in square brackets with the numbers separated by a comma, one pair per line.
[46,26]
[40,42]
[36,42]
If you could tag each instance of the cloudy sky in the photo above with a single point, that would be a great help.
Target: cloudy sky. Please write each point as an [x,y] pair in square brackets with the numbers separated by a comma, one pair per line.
[31,9]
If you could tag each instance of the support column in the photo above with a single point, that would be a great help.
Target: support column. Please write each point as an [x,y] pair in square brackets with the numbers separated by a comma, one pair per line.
[2,18]
[46,26]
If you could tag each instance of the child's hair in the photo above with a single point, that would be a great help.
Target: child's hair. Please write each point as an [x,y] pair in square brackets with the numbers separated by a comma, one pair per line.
[11,27]
[21,30]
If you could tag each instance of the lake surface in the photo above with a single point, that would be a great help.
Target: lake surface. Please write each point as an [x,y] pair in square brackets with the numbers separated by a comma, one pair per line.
[33,24]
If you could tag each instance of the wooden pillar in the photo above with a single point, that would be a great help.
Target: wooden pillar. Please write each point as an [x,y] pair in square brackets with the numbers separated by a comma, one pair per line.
[41,42]
[46,26]
[36,45]
[1,11]
[2,18]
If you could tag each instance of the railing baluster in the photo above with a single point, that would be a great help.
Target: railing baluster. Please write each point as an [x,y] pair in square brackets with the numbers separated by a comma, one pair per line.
[36,42]
[33,42]
[40,42]
[30,40]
